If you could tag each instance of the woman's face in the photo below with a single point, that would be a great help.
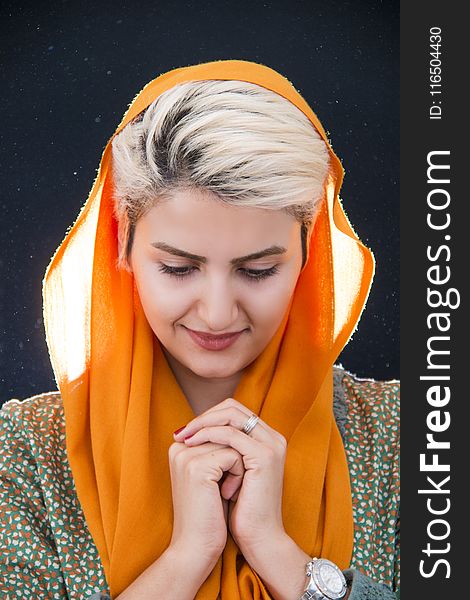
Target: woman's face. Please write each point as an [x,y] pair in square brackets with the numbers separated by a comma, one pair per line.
[205,269]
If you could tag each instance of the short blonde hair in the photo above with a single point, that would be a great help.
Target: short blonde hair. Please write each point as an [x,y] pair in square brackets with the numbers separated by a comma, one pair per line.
[240,141]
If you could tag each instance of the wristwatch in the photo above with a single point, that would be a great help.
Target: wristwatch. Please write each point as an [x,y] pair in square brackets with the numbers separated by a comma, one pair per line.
[325,581]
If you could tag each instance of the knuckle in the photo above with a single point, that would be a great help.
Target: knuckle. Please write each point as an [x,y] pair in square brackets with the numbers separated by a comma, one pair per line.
[233,404]
[232,430]
[193,469]
[234,415]
[179,459]
[235,453]
[190,468]
[173,450]
[270,455]
[230,402]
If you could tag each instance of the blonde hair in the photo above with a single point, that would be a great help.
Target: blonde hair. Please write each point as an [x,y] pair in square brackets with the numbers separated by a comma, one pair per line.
[240,141]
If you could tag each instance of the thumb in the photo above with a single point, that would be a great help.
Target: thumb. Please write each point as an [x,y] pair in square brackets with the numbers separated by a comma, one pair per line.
[233,479]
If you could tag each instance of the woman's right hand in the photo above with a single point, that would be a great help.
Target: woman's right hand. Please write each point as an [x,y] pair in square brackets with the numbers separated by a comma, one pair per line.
[200,508]
[200,497]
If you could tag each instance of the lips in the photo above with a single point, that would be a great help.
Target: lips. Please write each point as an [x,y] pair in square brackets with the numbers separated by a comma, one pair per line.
[214,342]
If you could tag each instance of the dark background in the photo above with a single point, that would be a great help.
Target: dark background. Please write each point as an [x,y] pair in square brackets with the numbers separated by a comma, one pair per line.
[68,73]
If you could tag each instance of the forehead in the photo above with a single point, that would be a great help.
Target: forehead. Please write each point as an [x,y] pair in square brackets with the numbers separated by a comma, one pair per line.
[194,220]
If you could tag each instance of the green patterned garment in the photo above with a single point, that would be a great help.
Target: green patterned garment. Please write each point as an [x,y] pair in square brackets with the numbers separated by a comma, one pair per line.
[48,551]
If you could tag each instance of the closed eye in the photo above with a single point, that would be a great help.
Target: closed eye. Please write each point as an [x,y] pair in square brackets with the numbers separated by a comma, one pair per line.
[258,274]
[187,270]
[177,271]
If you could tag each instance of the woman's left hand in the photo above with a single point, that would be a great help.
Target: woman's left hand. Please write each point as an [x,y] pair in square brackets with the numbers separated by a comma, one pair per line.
[255,512]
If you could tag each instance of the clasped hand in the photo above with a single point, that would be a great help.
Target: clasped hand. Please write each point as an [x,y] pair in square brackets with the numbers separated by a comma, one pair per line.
[223,478]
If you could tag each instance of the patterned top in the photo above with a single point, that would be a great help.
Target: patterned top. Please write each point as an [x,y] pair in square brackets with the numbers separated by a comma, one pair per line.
[48,551]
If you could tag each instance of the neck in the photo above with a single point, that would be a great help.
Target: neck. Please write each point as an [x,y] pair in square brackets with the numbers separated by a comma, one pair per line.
[202,393]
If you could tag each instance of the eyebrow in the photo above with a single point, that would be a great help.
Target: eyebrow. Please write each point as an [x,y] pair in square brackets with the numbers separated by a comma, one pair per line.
[271,251]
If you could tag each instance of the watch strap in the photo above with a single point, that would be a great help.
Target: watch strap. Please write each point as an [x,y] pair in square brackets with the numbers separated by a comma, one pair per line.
[310,595]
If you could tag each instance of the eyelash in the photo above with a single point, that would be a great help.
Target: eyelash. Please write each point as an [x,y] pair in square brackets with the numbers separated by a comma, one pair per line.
[251,274]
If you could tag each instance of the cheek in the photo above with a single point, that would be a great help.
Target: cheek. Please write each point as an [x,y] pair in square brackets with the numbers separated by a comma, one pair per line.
[268,304]
[163,302]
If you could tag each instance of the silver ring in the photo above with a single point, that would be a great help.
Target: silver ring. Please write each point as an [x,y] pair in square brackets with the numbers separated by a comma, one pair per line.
[250,424]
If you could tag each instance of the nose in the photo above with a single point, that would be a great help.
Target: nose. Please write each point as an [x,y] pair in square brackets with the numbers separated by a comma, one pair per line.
[218,305]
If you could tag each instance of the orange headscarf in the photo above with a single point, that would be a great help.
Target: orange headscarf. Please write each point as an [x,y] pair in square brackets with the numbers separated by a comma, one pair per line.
[122,402]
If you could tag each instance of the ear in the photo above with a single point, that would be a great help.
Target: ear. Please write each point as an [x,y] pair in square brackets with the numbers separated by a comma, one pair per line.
[124,261]
[127,262]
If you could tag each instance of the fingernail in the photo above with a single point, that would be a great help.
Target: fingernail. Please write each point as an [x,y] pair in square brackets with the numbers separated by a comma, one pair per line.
[187,437]
[178,430]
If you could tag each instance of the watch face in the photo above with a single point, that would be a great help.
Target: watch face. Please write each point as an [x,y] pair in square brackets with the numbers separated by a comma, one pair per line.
[329,579]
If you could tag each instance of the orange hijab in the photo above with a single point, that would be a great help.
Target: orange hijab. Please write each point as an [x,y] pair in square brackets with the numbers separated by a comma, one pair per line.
[122,403]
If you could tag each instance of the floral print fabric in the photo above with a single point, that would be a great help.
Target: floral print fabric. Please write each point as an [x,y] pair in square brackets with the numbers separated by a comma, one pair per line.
[47,549]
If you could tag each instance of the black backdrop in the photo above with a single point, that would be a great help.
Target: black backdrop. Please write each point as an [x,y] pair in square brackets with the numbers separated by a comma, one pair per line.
[69,71]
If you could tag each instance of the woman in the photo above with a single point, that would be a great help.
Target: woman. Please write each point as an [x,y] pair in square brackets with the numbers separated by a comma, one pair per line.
[201,443]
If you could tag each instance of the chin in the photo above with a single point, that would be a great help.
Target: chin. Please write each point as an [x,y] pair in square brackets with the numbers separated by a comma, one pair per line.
[214,368]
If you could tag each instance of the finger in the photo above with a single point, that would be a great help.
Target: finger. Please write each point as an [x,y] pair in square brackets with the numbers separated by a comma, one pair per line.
[233,479]
[212,459]
[220,461]
[261,425]
[228,436]
[231,416]
[178,447]
[227,403]
[234,498]
[225,508]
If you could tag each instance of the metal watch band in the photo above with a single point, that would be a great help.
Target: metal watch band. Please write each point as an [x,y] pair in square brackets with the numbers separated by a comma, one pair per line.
[308,595]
